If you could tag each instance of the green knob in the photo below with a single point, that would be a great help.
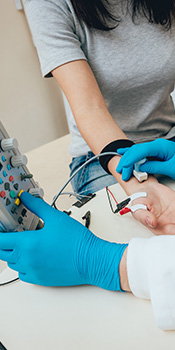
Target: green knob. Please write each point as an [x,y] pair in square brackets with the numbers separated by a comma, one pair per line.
[12,194]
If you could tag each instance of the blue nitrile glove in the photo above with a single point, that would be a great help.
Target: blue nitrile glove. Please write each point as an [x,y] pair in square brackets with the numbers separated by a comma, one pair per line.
[160,148]
[62,253]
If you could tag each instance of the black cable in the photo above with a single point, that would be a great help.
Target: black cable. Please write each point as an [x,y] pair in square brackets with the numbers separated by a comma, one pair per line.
[11,281]
[2,347]
[109,199]
[76,171]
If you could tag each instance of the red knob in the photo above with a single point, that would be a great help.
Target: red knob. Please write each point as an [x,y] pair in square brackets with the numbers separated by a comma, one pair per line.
[2,194]
[11,178]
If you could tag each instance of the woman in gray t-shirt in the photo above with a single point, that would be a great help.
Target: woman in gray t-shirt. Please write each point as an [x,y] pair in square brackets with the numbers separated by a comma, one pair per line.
[114,61]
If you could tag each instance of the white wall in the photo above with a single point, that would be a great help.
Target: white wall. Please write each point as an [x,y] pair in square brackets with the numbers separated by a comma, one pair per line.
[31,107]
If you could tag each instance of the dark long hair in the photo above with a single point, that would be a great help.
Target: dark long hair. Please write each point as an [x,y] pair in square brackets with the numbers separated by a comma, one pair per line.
[98,13]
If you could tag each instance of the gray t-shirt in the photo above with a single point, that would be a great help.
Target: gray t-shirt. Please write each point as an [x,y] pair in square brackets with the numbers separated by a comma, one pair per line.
[134,65]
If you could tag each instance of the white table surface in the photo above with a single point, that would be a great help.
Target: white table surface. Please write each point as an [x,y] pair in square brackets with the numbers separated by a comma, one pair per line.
[82,317]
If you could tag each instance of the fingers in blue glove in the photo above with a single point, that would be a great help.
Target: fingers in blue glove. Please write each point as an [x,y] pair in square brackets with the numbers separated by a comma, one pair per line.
[10,244]
[7,244]
[127,173]
[7,256]
[23,277]
[156,167]
[160,148]
[132,156]
[16,267]
[7,241]
[122,150]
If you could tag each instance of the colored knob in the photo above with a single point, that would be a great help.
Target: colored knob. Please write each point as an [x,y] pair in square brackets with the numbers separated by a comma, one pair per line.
[8,202]
[12,194]
[17,161]
[2,194]
[11,178]
[6,186]
[24,211]
[3,158]
[26,176]
[20,220]
[13,210]
[17,202]
[16,186]
[36,192]
[9,144]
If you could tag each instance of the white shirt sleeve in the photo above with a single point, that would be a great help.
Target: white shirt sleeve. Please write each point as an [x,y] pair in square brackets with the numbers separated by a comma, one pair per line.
[151,275]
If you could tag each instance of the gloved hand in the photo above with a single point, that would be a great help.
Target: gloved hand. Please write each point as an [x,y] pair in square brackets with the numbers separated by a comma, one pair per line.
[160,148]
[62,253]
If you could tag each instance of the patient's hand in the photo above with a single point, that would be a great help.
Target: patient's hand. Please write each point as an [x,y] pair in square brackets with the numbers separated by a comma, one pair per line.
[160,201]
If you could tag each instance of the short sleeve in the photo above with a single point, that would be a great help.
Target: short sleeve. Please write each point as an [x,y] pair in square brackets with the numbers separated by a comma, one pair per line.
[54,33]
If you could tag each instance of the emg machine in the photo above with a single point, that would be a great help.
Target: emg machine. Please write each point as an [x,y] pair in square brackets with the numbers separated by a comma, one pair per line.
[14,178]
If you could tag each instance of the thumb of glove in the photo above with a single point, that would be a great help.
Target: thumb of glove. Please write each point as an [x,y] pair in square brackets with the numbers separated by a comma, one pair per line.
[36,205]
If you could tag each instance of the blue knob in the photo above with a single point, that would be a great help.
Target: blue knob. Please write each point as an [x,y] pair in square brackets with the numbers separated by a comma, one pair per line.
[4,173]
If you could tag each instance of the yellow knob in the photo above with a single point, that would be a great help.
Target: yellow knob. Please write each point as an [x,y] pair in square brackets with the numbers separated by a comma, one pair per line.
[19,194]
[17,202]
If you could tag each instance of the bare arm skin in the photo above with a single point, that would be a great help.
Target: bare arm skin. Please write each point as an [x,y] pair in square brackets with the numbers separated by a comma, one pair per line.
[93,119]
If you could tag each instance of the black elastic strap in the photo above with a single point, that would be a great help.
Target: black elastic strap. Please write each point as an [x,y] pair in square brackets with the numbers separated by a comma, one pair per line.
[112,147]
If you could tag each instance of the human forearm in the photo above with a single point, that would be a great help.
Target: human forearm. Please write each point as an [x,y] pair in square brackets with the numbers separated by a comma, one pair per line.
[132,185]
[91,114]
[93,119]
[98,137]
[97,127]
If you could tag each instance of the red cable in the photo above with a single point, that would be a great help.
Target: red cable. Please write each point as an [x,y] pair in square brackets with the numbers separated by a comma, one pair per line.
[122,211]
[112,195]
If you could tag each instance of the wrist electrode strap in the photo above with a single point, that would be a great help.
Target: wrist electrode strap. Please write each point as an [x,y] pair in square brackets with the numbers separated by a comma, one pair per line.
[112,147]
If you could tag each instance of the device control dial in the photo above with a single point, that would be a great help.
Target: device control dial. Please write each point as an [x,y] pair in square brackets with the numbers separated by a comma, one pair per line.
[37,192]
[18,160]
[2,194]
[9,144]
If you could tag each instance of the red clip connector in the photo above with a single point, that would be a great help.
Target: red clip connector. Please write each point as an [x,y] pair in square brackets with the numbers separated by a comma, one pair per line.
[124,211]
